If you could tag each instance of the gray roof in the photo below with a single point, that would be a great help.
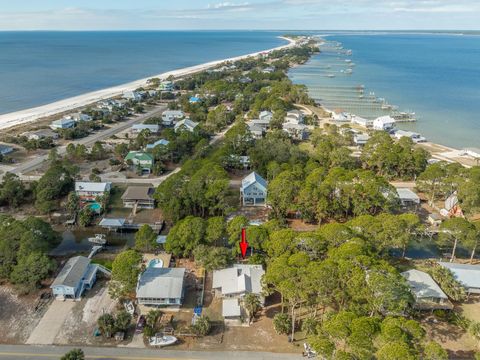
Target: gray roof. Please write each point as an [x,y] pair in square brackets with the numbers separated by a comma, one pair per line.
[239,279]
[407,194]
[422,285]
[112,222]
[161,283]
[90,186]
[468,275]
[230,308]
[253,178]
[138,193]
[72,272]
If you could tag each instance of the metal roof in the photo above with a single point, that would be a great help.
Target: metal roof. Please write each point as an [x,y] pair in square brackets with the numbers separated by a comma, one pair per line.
[422,285]
[112,222]
[161,283]
[72,272]
[138,193]
[92,186]
[253,178]
[230,308]
[468,275]
[239,279]
[407,194]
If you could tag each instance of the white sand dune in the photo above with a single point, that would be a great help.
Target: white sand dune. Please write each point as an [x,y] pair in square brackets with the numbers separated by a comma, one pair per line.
[30,115]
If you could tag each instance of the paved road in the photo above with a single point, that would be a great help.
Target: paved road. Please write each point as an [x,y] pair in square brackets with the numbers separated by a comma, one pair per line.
[87,141]
[47,352]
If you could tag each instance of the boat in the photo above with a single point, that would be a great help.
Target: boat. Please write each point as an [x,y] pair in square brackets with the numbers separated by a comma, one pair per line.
[348,60]
[349,71]
[162,340]
[330,75]
[129,307]
[100,239]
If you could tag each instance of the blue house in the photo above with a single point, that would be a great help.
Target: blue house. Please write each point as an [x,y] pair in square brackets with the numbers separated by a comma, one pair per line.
[253,191]
[194,100]
[75,277]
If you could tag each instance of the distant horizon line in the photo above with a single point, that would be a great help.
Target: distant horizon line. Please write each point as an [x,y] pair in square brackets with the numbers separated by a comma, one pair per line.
[247,30]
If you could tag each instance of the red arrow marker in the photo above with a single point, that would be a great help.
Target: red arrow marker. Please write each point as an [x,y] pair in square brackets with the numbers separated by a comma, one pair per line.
[243,243]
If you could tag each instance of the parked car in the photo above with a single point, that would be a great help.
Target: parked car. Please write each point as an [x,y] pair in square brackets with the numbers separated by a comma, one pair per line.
[140,324]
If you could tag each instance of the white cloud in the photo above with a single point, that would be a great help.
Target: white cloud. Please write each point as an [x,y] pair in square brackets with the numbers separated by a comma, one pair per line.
[228,5]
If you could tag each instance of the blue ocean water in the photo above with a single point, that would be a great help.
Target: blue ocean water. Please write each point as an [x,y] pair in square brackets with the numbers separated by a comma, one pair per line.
[37,68]
[435,75]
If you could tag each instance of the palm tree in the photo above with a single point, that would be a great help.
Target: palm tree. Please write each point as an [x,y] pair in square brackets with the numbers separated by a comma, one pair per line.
[106,324]
[252,305]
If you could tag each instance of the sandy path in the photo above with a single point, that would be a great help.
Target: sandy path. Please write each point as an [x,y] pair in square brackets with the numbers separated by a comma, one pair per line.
[29,115]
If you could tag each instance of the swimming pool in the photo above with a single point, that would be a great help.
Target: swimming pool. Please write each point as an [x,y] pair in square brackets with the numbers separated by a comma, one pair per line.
[96,207]
[155,263]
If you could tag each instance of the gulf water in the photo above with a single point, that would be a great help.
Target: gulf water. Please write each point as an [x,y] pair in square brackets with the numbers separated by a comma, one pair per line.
[37,68]
[437,76]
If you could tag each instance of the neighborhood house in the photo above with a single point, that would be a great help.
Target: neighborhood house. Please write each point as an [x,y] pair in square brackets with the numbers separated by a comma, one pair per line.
[428,295]
[407,197]
[89,191]
[138,128]
[467,275]
[385,123]
[253,191]
[140,197]
[142,160]
[76,276]
[238,280]
[169,117]
[294,117]
[185,124]
[161,142]
[159,286]
[5,150]
[64,123]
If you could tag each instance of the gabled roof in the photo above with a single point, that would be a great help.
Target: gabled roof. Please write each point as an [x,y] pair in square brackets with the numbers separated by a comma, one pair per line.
[92,186]
[151,127]
[239,279]
[422,285]
[230,308]
[407,194]
[385,120]
[254,178]
[158,142]
[187,123]
[468,275]
[72,272]
[139,155]
[164,283]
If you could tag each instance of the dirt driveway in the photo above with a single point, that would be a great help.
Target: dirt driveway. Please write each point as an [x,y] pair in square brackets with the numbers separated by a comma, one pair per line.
[51,323]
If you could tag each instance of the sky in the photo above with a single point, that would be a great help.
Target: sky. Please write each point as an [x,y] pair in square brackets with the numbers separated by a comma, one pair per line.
[239,14]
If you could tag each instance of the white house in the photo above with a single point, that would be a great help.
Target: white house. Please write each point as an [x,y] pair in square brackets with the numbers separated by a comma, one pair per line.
[185,125]
[133,95]
[428,295]
[64,123]
[166,86]
[265,115]
[138,128]
[158,286]
[169,117]
[89,191]
[253,191]
[467,275]
[263,124]
[341,117]
[161,142]
[361,139]
[295,117]
[417,138]
[239,280]
[76,276]
[362,121]
[385,123]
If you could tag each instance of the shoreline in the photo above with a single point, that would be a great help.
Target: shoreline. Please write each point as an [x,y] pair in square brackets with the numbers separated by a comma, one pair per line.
[69,104]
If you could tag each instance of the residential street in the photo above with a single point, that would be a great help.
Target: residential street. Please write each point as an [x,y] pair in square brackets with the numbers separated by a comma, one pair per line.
[26,352]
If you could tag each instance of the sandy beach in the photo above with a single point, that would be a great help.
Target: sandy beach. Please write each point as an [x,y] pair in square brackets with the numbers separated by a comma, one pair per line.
[32,114]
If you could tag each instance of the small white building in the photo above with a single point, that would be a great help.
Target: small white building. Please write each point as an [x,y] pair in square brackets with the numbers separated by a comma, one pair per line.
[138,128]
[41,134]
[361,139]
[159,286]
[64,123]
[253,190]
[185,125]
[407,197]
[341,117]
[77,117]
[417,138]
[366,123]
[170,117]
[295,117]
[384,123]
[166,86]
[428,295]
